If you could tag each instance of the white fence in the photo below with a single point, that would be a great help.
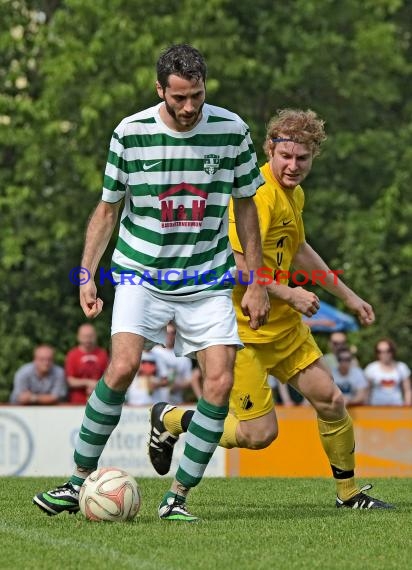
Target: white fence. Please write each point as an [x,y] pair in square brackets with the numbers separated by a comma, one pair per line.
[39,441]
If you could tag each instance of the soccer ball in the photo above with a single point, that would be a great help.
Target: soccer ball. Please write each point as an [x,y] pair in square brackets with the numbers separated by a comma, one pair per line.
[109,494]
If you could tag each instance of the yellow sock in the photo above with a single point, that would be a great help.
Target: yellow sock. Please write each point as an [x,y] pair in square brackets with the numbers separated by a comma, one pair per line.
[338,441]
[346,488]
[228,439]
[172,421]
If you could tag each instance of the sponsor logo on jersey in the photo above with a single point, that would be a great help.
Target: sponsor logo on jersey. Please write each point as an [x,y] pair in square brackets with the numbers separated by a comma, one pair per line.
[179,208]
[152,165]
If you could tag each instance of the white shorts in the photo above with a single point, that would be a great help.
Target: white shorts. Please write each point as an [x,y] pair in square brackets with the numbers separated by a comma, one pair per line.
[203,322]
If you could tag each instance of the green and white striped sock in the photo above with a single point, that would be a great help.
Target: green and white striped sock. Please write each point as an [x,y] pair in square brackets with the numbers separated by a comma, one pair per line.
[202,438]
[101,416]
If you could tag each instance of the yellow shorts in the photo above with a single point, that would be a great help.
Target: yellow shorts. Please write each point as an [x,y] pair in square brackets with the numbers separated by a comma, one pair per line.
[251,395]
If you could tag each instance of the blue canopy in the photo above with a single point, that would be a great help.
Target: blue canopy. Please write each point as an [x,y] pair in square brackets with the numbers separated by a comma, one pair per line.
[329,319]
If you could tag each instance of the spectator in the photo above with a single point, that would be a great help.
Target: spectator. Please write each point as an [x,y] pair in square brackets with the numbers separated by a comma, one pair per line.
[140,390]
[39,382]
[337,340]
[84,365]
[350,379]
[389,380]
[176,369]
[281,392]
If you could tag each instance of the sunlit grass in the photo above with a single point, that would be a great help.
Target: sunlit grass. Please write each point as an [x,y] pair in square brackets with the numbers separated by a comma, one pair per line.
[245,524]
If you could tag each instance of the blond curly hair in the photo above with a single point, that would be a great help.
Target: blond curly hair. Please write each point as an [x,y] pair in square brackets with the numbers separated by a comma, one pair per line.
[303,127]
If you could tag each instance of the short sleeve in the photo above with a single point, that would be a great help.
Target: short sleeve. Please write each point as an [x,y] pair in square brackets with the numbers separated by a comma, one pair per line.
[60,386]
[233,237]
[247,176]
[20,384]
[116,173]
[264,212]
[404,370]
[368,372]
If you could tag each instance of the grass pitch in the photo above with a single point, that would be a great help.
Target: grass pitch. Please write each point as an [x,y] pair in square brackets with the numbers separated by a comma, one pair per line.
[249,524]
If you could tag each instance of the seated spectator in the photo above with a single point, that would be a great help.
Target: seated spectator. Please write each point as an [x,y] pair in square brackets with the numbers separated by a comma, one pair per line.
[350,379]
[84,365]
[140,390]
[282,393]
[39,382]
[389,380]
[177,370]
[337,340]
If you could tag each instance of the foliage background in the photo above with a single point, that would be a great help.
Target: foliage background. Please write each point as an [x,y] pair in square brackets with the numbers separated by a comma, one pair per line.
[70,70]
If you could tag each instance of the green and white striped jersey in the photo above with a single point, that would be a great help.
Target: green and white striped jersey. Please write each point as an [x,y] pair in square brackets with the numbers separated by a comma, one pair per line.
[173,235]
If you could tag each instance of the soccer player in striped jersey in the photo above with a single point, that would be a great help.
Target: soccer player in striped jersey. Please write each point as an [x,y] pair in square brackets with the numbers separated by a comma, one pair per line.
[174,167]
[284,347]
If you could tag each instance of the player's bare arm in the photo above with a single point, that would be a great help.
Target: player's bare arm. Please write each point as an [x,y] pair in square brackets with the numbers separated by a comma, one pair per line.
[74,382]
[29,398]
[98,233]
[309,260]
[407,392]
[303,301]
[255,302]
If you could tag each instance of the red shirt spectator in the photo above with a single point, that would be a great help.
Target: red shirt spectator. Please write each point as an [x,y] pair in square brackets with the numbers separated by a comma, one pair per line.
[84,365]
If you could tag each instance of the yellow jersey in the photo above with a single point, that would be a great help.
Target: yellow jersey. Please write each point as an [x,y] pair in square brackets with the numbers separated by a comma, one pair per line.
[282,231]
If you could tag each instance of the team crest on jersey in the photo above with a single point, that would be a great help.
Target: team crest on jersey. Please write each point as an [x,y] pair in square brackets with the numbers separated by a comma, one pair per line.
[246,402]
[211,163]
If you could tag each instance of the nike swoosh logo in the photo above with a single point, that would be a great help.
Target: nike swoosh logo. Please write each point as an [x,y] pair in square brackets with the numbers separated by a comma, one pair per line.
[286,223]
[149,166]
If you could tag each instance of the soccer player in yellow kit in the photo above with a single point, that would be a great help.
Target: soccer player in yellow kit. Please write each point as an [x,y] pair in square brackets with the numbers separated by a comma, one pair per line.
[284,347]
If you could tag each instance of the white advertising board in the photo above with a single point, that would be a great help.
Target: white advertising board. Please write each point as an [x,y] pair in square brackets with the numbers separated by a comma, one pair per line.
[39,441]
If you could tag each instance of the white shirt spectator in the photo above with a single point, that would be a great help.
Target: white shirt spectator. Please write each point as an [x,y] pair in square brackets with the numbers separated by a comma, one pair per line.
[140,390]
[386,385]
[177,370]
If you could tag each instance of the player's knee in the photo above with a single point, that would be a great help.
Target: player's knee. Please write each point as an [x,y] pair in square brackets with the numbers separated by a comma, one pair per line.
[333,405]
[121,372]
[218,385]
[337,402]
[260,439]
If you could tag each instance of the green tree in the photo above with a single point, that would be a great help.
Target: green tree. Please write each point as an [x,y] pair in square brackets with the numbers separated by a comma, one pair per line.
[350,62]
[70,70]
